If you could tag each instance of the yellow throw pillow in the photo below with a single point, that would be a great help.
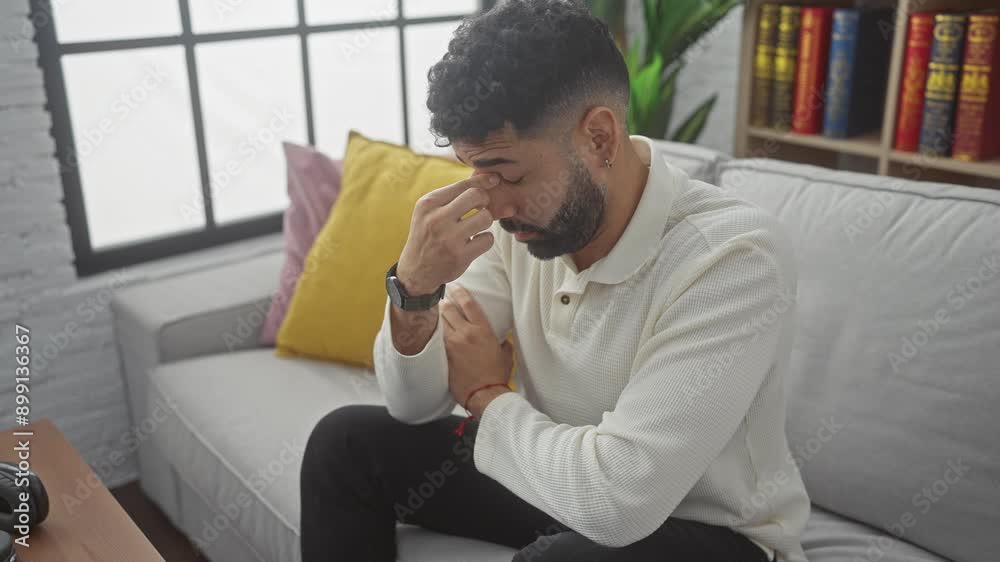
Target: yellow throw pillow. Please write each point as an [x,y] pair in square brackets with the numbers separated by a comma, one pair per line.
[339,301]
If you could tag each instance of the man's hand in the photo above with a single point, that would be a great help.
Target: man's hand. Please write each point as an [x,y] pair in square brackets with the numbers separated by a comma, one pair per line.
[474,356]
[441,244]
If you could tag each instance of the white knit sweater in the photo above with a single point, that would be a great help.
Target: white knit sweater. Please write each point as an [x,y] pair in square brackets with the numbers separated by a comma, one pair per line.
[650,384]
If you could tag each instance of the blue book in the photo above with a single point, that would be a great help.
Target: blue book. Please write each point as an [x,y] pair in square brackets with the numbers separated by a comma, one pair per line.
[855,93]
[843,46]
[943,77]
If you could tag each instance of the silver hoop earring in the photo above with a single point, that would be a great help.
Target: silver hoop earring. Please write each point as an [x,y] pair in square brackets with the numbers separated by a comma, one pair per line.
[607,163]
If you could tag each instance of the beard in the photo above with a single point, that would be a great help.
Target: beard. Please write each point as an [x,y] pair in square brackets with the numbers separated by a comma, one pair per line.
[575,223]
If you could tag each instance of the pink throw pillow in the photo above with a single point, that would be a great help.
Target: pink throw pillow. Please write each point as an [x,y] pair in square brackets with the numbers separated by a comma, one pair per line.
[313,187]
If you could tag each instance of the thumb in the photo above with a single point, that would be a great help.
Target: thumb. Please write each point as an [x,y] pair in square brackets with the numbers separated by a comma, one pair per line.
[507,354]
[507,348]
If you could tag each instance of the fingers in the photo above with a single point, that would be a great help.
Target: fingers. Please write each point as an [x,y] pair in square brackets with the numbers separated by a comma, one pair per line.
[472,198]
[444,195]
[471,310]
[475,224]
[451,314]
[480,243]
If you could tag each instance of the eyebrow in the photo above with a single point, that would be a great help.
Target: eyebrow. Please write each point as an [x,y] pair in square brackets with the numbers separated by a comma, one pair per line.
[487,162]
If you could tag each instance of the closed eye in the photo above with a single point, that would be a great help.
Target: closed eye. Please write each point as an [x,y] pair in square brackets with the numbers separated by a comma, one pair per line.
[513,182]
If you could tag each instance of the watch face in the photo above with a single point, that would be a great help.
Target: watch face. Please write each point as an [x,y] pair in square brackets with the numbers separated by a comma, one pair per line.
[392,287]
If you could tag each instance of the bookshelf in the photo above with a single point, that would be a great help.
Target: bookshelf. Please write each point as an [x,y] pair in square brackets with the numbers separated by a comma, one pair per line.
[872,153]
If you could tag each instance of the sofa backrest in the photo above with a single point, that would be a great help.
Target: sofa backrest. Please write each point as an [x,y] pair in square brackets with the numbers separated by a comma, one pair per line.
[698,162]
[894,381]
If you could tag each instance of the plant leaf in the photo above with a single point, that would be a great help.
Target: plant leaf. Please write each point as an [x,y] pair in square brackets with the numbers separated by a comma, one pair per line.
[633,58]
[645,87]
[691,129]
[653,30]
[658,117]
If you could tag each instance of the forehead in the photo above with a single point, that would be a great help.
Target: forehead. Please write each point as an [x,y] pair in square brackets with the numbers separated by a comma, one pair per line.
[503,147]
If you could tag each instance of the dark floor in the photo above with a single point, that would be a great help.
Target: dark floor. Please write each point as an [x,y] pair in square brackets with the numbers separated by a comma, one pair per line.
[172,544]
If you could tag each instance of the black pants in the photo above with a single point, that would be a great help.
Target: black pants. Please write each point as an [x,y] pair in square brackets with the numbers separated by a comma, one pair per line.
[363,471]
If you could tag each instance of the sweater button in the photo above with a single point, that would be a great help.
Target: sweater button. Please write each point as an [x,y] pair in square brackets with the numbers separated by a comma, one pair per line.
[565,299]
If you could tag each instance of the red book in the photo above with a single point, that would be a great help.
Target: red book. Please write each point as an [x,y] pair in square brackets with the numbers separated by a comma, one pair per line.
[911,94]
[814,51]
[977,121]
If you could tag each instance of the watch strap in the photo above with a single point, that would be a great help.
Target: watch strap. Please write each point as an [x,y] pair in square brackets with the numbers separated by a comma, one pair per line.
[414,302]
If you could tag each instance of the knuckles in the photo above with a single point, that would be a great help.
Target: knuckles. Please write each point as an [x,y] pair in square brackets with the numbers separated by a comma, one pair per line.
[426,202]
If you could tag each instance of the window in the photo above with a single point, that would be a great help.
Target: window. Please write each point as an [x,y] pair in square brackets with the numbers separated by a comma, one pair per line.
[169,115]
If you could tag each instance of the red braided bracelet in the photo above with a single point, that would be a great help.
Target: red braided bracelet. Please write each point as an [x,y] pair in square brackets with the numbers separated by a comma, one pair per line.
[461,427]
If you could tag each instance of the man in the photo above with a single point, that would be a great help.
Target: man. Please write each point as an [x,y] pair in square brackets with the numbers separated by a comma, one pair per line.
[653,318]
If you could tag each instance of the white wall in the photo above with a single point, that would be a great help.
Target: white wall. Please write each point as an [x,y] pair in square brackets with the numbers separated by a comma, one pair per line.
[75,375]
[713,67]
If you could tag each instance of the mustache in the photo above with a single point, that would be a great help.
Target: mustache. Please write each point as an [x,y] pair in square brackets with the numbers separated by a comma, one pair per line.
[513,226]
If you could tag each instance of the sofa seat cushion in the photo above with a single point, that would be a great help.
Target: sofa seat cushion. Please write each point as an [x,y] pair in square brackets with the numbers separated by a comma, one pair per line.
[237,425]
[236,430]
[831,538]
[828,538]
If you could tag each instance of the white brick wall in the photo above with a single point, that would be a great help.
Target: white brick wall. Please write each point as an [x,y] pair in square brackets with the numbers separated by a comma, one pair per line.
[76,377]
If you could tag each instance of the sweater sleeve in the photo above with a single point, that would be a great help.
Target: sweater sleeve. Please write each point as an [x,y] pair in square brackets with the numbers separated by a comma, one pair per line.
[617,482]
[416,386]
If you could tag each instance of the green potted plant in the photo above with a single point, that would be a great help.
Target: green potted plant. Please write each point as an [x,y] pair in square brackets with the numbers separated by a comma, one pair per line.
[656,59]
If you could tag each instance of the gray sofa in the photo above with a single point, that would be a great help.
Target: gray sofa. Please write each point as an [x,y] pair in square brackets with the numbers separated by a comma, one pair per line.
[893,392]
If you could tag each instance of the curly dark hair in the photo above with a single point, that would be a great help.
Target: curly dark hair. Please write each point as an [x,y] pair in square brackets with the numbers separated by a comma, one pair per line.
[526,62]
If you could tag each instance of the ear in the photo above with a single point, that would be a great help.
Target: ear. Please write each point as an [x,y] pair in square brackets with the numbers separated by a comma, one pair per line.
[602,136]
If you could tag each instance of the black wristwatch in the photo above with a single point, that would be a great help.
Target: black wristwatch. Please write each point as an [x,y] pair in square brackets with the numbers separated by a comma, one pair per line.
[399,297]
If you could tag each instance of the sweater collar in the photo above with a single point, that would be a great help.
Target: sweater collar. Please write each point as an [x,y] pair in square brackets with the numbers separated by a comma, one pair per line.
[641,238]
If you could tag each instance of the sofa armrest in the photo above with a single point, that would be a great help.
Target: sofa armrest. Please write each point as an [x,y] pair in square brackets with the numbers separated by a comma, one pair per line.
[183,316]
[208,311]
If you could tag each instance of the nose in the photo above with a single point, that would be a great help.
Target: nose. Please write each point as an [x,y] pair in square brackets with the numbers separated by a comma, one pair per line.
[502,203]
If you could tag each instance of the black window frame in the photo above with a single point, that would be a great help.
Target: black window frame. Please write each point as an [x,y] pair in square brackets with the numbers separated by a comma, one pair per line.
[90,261]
